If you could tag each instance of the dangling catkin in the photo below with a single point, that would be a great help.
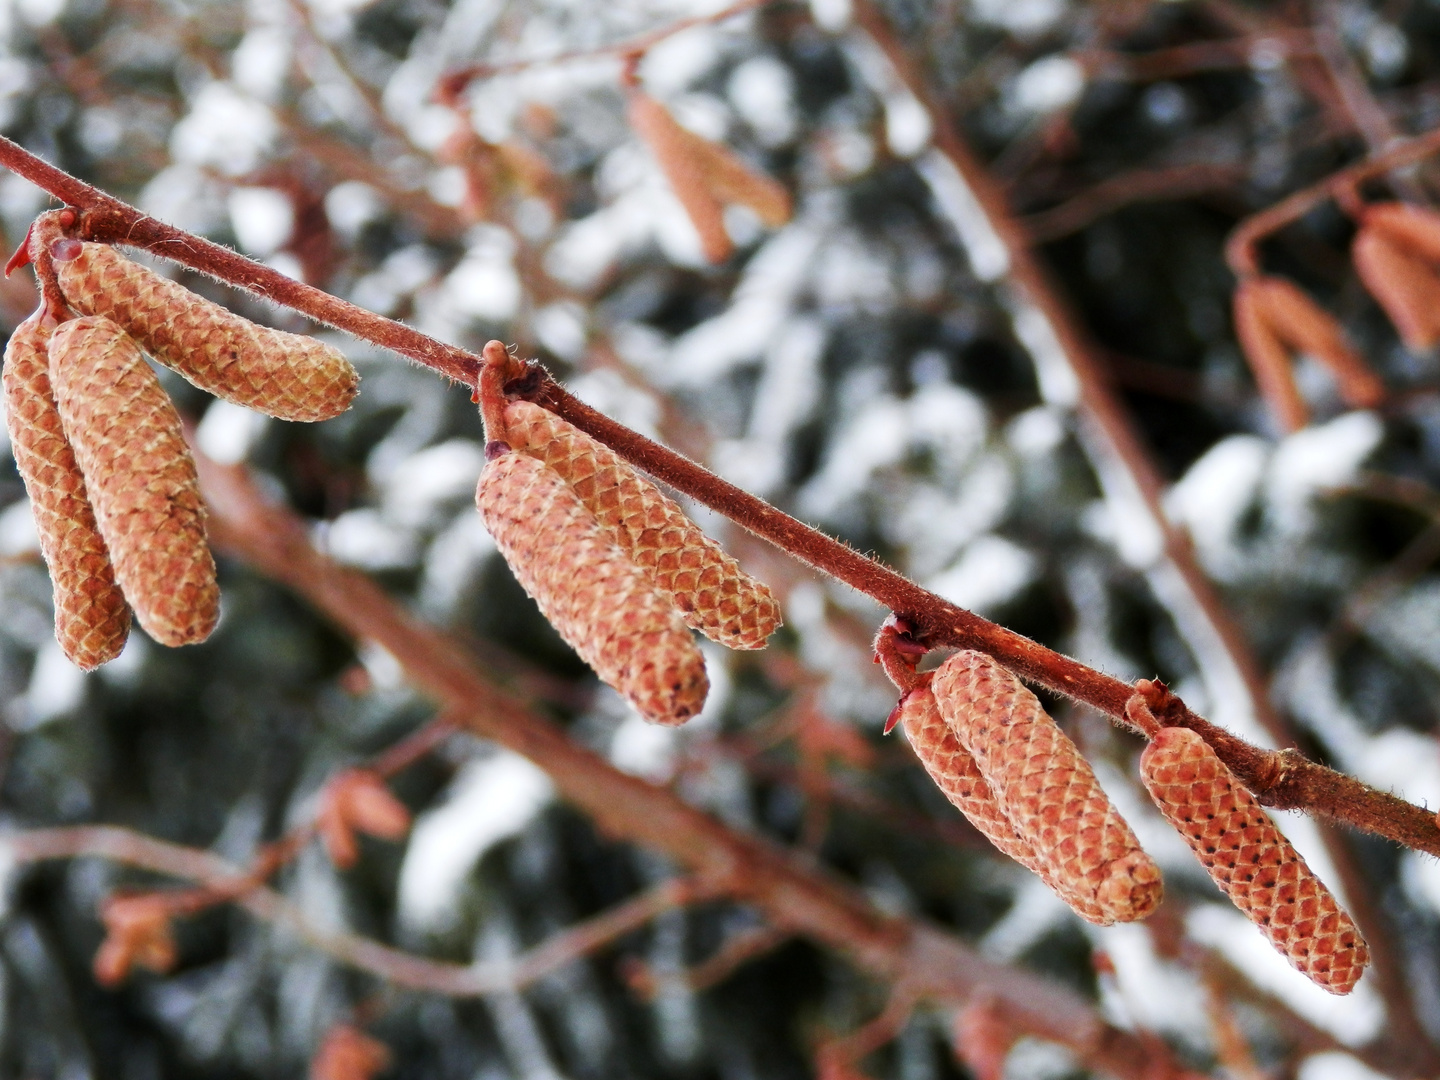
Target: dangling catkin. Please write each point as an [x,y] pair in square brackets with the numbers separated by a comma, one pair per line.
[1416,229]
[140,478]
[1405,285]
[1250,859]
[1046,788]
[714,595]
[956,774]
[674,151]
[601,603]
[285,375]
[92,620]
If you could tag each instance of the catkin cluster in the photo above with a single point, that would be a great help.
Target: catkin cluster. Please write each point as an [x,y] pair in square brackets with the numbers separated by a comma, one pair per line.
[989,746]
[101,450]
[1006,763]
[614,564]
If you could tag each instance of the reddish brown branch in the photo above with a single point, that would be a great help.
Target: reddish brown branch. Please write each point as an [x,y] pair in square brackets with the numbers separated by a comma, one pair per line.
[105,218]
[1303,784]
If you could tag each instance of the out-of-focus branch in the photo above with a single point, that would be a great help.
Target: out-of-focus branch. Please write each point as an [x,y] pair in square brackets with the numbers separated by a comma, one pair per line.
[793,897]
[400,968]
[1240,248]
[1136,185]
[454,83]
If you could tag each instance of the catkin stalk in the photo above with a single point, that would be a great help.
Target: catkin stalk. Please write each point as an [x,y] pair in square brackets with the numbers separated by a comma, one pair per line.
[92,619]
[140,478]
[285,375]
[1047,788]
[1250,859]
[714,594]
[601,603]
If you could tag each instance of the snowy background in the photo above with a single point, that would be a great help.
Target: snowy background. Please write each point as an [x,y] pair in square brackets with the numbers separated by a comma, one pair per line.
[864,366]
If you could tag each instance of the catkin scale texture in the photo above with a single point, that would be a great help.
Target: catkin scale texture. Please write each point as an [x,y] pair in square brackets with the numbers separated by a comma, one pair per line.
[601,603]
[955,773]
[92,619]
[714,595]
[1250,859]
[1046,788]
[289,376]
[140,478]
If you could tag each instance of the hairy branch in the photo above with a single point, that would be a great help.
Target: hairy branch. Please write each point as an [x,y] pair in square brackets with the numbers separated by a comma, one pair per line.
[1285,780]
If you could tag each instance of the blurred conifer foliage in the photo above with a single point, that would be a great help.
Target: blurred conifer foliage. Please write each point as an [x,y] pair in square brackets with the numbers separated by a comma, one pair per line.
[861,364]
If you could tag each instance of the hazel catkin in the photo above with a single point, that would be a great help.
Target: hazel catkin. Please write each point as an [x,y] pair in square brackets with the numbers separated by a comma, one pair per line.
[140,477]
[601,603]
[92,619]
[1047,788]
[289,376]
[955,773]
[1250,859]
[714,595]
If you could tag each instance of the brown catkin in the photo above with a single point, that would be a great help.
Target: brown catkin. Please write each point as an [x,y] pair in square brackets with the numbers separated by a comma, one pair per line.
[92,619]
[1250,859]
[1047,788]
[1305,327]
[1268,357]
[674,150]
[958,777]
[601,603]
[714,595]
[1402,283]
[140,477]
[1416,229]
[289,376]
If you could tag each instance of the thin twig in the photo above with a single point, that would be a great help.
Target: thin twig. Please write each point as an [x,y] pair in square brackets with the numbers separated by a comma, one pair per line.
[453,85]
[396,966]
[1240,251]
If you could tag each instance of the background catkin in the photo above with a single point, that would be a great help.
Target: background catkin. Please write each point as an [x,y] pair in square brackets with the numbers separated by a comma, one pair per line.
[289,376]
[92,619]
[140,478]
[1250,859]
[1046,788]
[713,594]
[601,603]
[955,773]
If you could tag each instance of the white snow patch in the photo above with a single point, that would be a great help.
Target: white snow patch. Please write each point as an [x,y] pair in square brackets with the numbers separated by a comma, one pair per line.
[644,749]
[763,91]
[1217,490]
[1149,992]
[1353,1020]
[363,538]
[262,218]
[56,687]
[489,801]
[18,535]
[1048,85]
[991,571]
[227,432]
[1336,1065]
[418,487]
[1310,461]
[225,129]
